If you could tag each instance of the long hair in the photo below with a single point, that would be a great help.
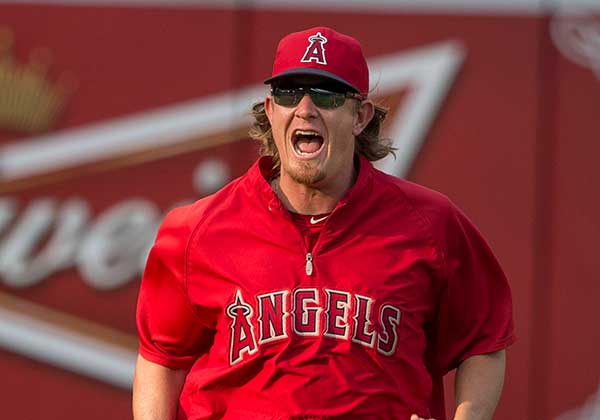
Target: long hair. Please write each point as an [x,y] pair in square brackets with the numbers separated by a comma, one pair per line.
[368,143]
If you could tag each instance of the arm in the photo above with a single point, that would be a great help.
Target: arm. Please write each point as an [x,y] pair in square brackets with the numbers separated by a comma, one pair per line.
[478,385]
[156,391]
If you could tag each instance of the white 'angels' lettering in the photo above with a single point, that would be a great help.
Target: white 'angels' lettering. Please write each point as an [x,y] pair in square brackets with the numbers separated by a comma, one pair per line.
[306,320]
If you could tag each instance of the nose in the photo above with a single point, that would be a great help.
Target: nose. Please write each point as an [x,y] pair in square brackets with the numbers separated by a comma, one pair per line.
[306,109]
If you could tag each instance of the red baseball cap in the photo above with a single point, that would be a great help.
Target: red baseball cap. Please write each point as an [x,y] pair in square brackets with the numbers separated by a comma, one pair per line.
[323,52]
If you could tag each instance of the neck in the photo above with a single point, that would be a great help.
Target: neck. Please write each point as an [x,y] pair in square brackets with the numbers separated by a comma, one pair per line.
[311,199]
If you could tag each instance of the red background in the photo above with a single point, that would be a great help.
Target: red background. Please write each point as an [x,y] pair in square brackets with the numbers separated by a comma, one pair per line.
[514,144]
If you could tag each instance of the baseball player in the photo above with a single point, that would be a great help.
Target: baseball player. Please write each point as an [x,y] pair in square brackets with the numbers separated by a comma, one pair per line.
[316,286]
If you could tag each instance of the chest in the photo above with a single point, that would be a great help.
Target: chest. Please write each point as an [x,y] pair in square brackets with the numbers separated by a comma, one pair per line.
[357,287]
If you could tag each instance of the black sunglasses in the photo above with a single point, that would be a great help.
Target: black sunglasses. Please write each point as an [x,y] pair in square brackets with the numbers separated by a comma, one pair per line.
[322,98]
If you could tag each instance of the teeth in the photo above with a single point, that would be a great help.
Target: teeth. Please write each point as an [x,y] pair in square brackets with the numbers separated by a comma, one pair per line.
[306,133]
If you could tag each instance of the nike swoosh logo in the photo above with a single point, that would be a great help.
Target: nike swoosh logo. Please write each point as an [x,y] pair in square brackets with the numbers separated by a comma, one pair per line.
[314,221]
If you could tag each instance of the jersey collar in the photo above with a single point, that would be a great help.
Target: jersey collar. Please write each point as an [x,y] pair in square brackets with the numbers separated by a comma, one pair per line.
[262,172]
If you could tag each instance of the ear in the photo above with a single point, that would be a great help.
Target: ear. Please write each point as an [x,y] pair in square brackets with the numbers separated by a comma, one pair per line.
[269,108]
[364,114]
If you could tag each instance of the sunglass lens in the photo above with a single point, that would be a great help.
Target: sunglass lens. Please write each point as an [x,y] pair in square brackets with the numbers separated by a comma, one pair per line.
[322,98]
[287,97]
[326,99]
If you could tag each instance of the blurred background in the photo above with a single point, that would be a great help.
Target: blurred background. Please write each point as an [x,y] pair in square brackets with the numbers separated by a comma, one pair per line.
[113,112]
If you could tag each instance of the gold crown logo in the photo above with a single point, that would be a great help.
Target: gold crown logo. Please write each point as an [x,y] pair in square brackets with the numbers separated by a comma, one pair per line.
[29,102]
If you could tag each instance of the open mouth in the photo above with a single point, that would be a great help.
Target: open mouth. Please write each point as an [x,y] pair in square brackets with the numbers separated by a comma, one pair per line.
[307,143]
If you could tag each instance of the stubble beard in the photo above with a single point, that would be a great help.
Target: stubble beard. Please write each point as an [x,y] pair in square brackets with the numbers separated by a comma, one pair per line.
[306,174]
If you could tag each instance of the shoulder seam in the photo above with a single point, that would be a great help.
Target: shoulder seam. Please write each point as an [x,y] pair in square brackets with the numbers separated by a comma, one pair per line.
[185,265]
[192,234]
[427,226]
[199,224]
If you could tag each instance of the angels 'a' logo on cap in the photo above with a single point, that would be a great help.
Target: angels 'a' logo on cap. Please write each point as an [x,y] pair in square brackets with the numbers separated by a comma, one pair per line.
[315,50]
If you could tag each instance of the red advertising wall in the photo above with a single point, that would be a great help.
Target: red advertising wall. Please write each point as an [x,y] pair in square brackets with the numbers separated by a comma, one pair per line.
[109,116]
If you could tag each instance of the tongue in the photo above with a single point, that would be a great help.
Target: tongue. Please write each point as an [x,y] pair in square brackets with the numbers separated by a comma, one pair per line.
[309,145]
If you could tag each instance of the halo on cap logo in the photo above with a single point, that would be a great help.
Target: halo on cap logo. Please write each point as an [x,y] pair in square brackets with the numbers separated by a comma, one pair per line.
[315,50]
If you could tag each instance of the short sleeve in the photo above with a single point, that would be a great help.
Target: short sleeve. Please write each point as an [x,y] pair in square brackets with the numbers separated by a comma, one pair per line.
[170,332]
[475,305]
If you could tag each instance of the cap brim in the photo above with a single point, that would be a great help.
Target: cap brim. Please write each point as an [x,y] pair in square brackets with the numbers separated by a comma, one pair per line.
[310,72]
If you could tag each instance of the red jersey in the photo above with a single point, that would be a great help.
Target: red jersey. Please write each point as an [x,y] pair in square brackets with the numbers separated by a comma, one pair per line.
[398,289]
